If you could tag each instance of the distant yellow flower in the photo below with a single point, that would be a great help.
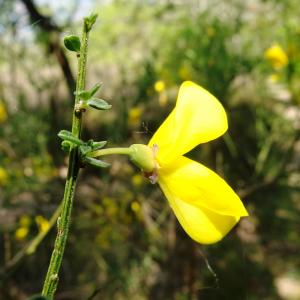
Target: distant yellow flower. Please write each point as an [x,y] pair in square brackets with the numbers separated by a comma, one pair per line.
[205,205]
[42,223]
[134,116]
[159,86]
[274,78]
[21,233]
[137,179]
[3,114]
[276,56]
[3,176]
[135,206]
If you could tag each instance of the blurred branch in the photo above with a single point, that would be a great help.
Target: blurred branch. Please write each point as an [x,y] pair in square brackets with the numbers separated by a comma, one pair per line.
[30,248]
[47,24]
[44,22]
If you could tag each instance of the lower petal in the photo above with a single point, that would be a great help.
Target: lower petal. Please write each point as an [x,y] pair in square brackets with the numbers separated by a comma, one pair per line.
[201,224]
[199,186]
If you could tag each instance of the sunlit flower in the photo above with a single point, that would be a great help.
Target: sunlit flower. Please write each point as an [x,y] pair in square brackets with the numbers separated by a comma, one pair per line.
[42,223]
[137,180]
[204,204]
[3,113]
[159,86]
[274,78]
[135,206]
[276,56]
[21,233]
[134,116]
[3,176]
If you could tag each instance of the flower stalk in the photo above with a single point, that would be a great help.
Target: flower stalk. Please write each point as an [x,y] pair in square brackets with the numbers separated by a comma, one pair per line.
[63,222]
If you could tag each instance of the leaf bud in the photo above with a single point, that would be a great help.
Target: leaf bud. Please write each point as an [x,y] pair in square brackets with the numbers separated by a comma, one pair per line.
[72,43]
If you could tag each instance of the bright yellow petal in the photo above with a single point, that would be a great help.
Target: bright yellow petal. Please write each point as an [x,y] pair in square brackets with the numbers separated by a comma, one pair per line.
[199,186]
[198,117]
[201,224]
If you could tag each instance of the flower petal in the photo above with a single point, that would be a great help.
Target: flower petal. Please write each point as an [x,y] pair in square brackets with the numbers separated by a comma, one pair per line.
[199,186]
[201,224]
[198,117]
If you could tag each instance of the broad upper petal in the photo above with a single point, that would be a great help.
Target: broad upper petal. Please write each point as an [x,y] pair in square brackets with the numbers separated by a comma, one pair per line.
[199,186]
[201,224]
[198,117]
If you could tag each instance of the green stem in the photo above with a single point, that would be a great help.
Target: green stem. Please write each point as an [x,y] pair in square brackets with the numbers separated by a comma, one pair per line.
[63,221]
[109,151]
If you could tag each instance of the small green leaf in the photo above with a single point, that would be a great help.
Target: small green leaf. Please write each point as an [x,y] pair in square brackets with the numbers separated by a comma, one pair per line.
[90,21]
[68,136]
[84,95]
[96,162]
[98,104]
[95,89]
[72,43]
[65,145]
[98,145]
[88,94]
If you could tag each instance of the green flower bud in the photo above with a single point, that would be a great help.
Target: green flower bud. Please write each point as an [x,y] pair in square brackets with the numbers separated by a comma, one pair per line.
[143,157]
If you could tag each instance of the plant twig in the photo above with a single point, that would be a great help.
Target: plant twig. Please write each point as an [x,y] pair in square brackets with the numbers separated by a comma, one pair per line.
[63,222]
[30,248]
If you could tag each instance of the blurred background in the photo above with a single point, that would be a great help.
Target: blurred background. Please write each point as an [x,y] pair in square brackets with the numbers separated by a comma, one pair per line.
[125,243]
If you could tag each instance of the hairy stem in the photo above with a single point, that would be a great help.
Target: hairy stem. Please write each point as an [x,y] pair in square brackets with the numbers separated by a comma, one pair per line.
[63,221]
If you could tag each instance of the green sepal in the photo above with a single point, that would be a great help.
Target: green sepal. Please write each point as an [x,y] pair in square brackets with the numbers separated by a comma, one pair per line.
[84,149]
[90,146]
[65,146]
[98,145]
[68,136]
[99,104]
[96,162]
[72,43]
[90,21]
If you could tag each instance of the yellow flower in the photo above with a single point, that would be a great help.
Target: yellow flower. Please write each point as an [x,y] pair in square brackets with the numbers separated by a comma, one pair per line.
[276,56]
[159,86]
[204,204]
[274,78]
[3,114]
[135,206]
[21,233]
[134,116]
[137,180]
[3,176]
[42,223]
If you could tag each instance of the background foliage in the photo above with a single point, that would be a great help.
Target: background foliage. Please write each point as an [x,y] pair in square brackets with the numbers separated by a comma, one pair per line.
[124,242]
